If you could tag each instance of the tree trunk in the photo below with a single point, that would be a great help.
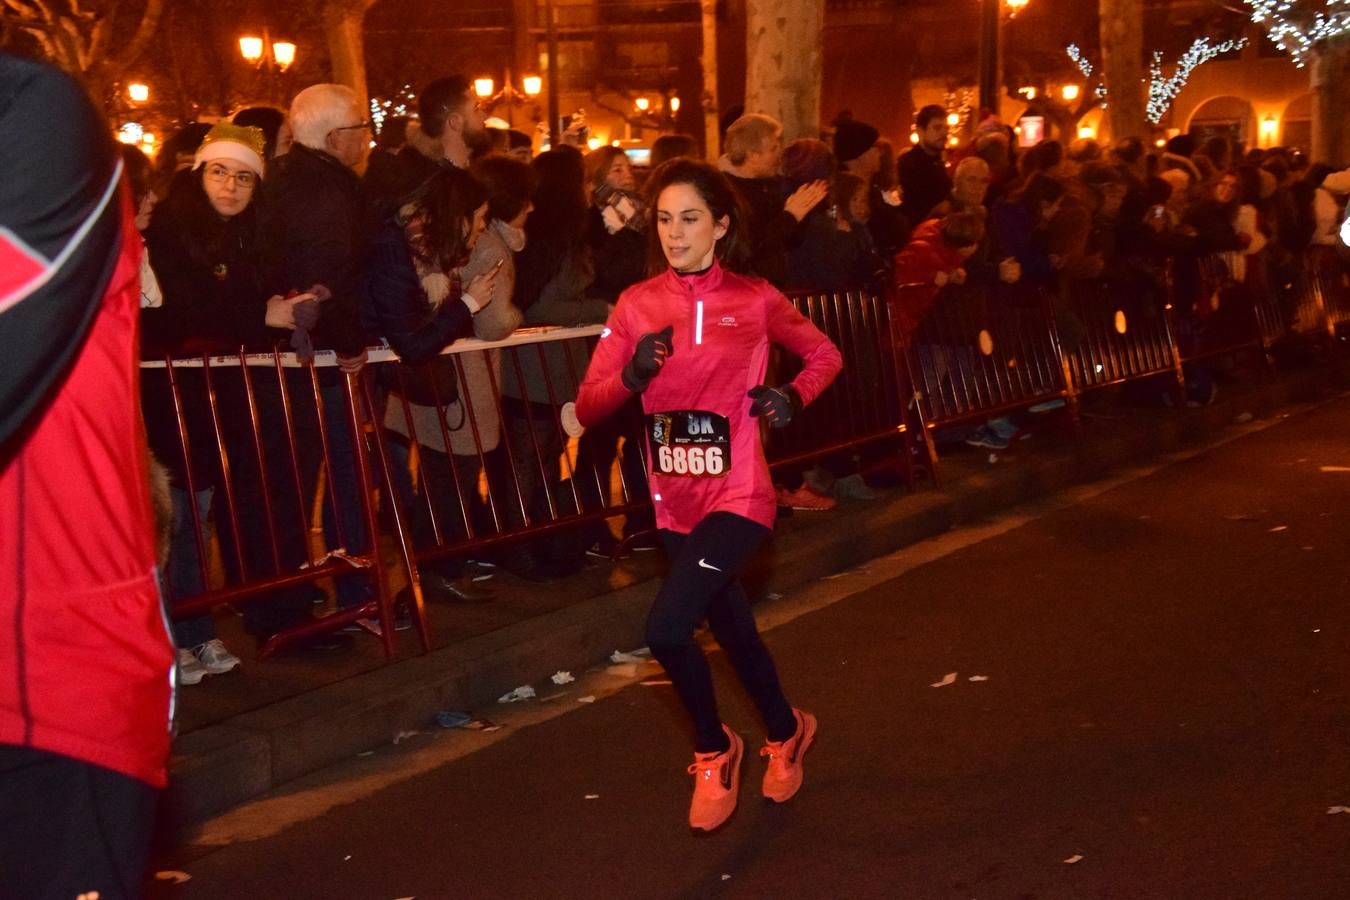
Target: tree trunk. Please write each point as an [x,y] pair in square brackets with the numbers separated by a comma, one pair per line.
[1122,33]
[1331,98]
[711,132]
[783,62]
[343,25]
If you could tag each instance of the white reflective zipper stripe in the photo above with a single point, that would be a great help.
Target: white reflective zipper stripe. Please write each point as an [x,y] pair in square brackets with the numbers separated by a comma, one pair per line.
[698,324]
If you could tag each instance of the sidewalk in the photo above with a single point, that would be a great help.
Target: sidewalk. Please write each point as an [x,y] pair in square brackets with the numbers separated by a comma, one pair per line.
[250,732]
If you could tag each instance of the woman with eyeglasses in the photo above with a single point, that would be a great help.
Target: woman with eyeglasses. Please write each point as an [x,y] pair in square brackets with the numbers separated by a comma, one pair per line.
[203,246]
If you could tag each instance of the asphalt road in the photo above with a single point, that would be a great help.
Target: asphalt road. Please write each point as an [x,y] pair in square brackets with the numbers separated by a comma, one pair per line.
[1165,714]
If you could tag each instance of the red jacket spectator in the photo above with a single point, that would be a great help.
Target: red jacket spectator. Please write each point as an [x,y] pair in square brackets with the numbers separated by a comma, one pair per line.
[933,258]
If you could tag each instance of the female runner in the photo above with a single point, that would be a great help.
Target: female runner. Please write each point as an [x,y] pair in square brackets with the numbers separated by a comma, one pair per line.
[694,342]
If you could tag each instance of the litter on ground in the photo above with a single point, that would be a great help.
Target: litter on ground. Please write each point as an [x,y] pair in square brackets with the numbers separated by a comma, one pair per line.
[589,698]
[1336,468]
[1279,528]
[524,692]
[642,654]
[452,719]
[173,876]
[1336,810]
[404,735]
[561,677]
[949,678]
[979,678]
[1077,857]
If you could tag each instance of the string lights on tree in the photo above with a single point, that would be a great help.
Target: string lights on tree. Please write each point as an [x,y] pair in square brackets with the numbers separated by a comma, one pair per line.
[1297,27]
[402,104]
[1163,89]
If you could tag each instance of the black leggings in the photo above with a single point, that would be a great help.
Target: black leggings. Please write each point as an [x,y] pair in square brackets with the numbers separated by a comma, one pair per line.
[703,584]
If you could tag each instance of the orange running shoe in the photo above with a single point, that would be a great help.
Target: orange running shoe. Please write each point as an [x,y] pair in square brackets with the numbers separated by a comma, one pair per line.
[783,778]
[717,782]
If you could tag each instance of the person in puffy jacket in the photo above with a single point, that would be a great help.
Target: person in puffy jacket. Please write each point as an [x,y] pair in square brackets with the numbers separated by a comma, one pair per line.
[694,343]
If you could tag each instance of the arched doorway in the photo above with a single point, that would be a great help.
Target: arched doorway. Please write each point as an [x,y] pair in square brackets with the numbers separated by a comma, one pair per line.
[1297,128]
[1229,117]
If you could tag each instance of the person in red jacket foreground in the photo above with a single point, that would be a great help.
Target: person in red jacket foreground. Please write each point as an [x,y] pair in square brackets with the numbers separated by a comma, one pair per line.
[86,663]
[694,342]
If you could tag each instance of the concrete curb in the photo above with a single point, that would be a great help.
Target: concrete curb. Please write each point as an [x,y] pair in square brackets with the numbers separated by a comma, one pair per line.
[220,766]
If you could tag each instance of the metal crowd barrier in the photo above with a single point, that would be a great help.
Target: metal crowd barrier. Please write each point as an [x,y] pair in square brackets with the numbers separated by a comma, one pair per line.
[865,406]
[503,469]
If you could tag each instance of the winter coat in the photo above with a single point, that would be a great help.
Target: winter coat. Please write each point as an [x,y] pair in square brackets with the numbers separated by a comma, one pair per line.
[916,270]
[724,324]
[87,669]
[480,368]
[314,233]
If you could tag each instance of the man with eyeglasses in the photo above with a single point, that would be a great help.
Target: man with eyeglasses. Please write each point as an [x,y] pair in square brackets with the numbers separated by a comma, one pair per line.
[314,234]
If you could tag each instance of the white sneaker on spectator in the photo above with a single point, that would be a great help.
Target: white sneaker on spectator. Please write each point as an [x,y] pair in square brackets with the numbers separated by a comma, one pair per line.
[214,658]
[190,668]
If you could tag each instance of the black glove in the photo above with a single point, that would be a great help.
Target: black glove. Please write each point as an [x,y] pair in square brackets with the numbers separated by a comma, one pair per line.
[648,358]
[777,405]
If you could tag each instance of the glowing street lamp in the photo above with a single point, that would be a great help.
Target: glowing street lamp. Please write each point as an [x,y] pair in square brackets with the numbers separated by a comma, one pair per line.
[674,104]
[533,85]
[483,87]
[283,53]
[251,48]
[1069,92]
[642,103]
[137,92]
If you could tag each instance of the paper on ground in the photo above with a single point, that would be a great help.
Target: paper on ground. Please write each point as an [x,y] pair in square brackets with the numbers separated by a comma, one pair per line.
[949,678]
[524,692]
[979,678]
[561,677]
[640,655]
[1077,857]
[589,698]
[1333,810]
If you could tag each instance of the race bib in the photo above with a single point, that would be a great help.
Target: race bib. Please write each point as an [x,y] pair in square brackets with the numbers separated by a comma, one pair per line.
[693,443]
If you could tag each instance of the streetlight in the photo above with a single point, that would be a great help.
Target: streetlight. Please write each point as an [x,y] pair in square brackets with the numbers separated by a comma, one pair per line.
[137,92]
[255,49]
[642,103]
[1069,92]
[992,14]
[530,88]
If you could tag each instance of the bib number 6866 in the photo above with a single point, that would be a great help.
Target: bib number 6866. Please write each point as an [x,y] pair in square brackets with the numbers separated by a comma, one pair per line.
[680,460]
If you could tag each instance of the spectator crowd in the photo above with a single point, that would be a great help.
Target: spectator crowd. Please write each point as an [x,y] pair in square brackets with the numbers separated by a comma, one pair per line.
[260,233]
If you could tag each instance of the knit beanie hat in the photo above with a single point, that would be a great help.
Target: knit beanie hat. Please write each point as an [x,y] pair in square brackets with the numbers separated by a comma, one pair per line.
[806,160]
[242,143]
[853,139]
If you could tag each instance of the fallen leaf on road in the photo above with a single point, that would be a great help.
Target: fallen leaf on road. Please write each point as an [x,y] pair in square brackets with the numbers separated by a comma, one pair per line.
[524,692]
[589,698]
[949,678]
[1334,810]
[1077,857]
[1279,528]
[174,876]
[561,677]
[1336,468]
[347,858]
[979,678]
[592,796]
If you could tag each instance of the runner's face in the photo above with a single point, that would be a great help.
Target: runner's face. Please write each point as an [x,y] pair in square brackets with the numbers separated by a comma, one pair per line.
[687,229]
